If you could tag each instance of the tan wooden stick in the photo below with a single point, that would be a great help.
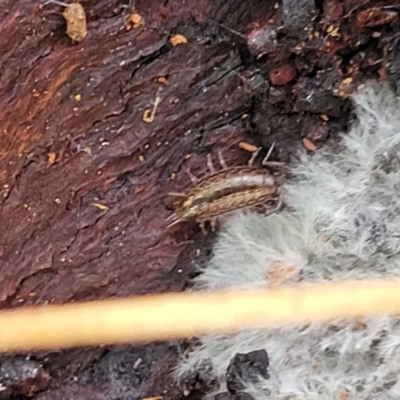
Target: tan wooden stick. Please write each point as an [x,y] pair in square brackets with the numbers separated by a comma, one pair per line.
[178,315]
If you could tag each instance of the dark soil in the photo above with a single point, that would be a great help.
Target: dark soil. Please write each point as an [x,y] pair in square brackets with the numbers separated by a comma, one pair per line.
[84,178]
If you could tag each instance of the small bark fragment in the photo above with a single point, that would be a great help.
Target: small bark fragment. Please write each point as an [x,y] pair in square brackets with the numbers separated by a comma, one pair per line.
[282,75]
[375,16]
[75,17]
[178,39]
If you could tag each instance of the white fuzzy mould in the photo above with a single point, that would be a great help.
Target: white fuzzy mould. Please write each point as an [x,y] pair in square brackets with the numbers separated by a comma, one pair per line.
[353,195]
[342,222]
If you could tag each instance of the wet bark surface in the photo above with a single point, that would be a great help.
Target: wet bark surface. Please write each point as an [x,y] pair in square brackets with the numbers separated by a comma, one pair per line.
[95,134]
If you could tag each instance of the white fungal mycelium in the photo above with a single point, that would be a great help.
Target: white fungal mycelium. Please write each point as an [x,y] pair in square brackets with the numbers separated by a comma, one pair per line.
[342,221]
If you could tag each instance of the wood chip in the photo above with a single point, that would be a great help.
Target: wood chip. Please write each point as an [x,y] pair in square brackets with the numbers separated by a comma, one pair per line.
[281,75]
[162,79]
[100,206]
[136,20]
[153,398]
[375,16]
[330,28]
[51,158]
[347,81]
[333,32]
[251,148]
[278,272]
[138,190]
[309,144]
[75,17]
[324,117]
[177,39]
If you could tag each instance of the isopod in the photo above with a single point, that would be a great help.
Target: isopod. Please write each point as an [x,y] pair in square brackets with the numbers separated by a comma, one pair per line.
[225,191]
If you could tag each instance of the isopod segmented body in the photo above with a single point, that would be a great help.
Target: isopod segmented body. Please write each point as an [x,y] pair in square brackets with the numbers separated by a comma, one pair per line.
[225,191]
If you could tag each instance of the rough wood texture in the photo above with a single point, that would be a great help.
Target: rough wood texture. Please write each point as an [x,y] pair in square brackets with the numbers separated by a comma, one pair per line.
[73,137]
[73,140]
[84,179]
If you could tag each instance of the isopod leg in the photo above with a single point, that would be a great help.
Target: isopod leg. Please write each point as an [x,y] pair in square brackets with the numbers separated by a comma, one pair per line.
[277,207]
[210,164]
[265,160]
[222,161]
[174,221]
[253,157]
[176,194]
[213,223]
[273,164]
[191,176]
[202,227]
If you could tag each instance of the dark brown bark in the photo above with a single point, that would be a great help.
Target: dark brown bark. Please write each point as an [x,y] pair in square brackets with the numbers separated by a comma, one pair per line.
[84,179]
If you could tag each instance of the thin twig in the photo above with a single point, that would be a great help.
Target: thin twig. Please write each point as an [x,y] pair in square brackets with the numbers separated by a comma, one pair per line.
[179,315]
